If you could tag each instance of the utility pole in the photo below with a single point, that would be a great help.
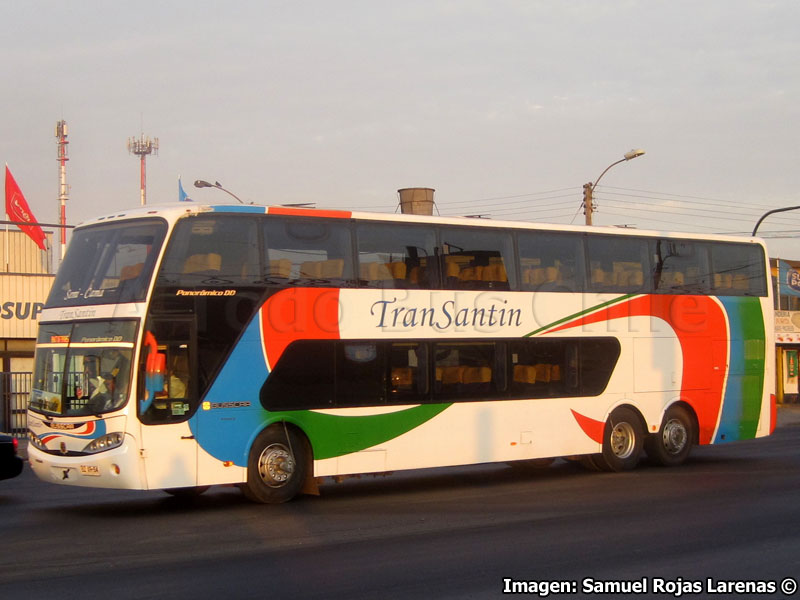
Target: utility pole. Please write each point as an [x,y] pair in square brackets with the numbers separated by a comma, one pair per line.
[588,202]
[588,188]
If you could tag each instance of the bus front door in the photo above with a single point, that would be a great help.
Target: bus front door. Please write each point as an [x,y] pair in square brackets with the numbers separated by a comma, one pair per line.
[167,404]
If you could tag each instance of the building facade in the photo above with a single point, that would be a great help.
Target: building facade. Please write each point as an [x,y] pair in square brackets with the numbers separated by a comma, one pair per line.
[786,279]
[25,281]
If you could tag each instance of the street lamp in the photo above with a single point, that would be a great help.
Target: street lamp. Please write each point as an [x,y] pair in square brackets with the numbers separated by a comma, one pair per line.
[772,212]
[588,188]
[204,184]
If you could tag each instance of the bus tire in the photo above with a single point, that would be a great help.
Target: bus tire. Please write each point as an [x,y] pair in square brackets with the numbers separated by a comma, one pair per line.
[277,466]
[623,438]
[672,444]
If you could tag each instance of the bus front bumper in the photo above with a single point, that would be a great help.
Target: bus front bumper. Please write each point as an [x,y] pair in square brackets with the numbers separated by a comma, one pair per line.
[119,468]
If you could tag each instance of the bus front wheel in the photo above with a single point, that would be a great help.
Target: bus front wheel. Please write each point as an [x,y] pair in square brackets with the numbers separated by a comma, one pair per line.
[277,466]
[673,442]
[623,439]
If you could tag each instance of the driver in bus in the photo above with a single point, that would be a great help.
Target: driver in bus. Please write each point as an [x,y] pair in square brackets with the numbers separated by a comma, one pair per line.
[113,378]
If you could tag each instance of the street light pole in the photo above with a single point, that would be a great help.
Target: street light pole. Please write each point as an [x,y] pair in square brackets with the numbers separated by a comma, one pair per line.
[588,188]
[772,212]
[204,184]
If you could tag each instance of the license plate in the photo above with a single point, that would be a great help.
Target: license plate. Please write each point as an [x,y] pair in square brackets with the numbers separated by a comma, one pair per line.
[92,470]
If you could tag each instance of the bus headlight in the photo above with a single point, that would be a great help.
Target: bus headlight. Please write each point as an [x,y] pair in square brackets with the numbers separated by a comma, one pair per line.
[106,442]
[35,441]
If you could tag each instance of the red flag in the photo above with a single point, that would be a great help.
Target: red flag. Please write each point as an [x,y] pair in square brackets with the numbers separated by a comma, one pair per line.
[17,209]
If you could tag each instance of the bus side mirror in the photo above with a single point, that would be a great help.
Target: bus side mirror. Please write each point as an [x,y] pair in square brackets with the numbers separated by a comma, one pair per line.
[155,367]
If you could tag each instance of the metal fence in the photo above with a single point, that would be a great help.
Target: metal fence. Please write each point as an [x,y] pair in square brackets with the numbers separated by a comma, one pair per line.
[15,390]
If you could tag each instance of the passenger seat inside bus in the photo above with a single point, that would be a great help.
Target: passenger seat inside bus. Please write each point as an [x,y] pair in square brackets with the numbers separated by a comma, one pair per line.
[203,264]
[130,272]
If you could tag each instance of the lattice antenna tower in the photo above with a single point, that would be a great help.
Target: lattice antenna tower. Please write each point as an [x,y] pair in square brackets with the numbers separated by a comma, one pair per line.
[142,147]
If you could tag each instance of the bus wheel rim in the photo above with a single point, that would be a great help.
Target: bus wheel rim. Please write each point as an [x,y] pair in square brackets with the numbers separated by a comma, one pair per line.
[623,440]
[275,465]
[675,436]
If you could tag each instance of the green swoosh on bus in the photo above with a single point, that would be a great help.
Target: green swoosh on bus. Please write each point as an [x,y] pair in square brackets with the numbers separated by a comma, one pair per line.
[580,314]
[336,435]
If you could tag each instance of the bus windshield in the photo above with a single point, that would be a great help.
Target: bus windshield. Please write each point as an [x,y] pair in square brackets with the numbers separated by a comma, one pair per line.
[83,368]
[108,264]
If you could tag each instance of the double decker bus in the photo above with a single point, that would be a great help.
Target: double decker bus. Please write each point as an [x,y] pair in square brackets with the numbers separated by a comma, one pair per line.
[186,346]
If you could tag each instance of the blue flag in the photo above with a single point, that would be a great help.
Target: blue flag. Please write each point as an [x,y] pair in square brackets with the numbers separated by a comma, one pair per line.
[182,197]
[788,280]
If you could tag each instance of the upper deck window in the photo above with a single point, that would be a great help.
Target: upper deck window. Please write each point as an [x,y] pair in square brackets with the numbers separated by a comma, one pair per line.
[477,259]
[212,251]
[550,262]
[306,252]
[618,264]
[397,256]
[738,270]
[681,267]
[108,264]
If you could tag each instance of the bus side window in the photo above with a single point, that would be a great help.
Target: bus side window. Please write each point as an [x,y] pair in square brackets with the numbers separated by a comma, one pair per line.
[408,372]
[738,270]
[308,252]
[396,256]
[303,378]
[478,259]
[550,262]
[212,251]
[465,370]
[681,267]
[618,264]
[360,374]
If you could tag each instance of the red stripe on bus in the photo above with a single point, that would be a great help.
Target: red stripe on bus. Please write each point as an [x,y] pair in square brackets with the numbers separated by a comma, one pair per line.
[309,212]
[591,427]
[298,314]
[701,327]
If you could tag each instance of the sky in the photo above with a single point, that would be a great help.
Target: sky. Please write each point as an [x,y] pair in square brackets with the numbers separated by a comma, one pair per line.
[505,107]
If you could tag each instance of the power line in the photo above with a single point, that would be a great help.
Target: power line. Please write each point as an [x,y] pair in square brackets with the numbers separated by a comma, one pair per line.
[664,210]
[744,213]
[656,220]
[510,197]
[709,200]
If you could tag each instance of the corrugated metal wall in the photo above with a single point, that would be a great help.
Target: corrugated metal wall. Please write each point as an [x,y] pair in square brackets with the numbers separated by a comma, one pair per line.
[18,253]
[25,281]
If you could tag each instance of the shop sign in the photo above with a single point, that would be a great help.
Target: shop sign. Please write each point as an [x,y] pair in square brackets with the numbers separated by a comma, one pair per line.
[20,310]
[789,279]
[787,326]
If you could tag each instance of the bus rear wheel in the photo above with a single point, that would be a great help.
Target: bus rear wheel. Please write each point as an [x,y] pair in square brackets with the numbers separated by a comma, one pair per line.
[673,442]
[623,438]
[277,466]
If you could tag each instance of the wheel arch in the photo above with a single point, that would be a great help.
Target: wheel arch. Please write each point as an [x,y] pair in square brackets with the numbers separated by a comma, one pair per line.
[682,403]
[627,404]
[310,485]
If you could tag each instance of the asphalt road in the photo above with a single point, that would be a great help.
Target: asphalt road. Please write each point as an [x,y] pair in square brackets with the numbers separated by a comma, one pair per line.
[732,513]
